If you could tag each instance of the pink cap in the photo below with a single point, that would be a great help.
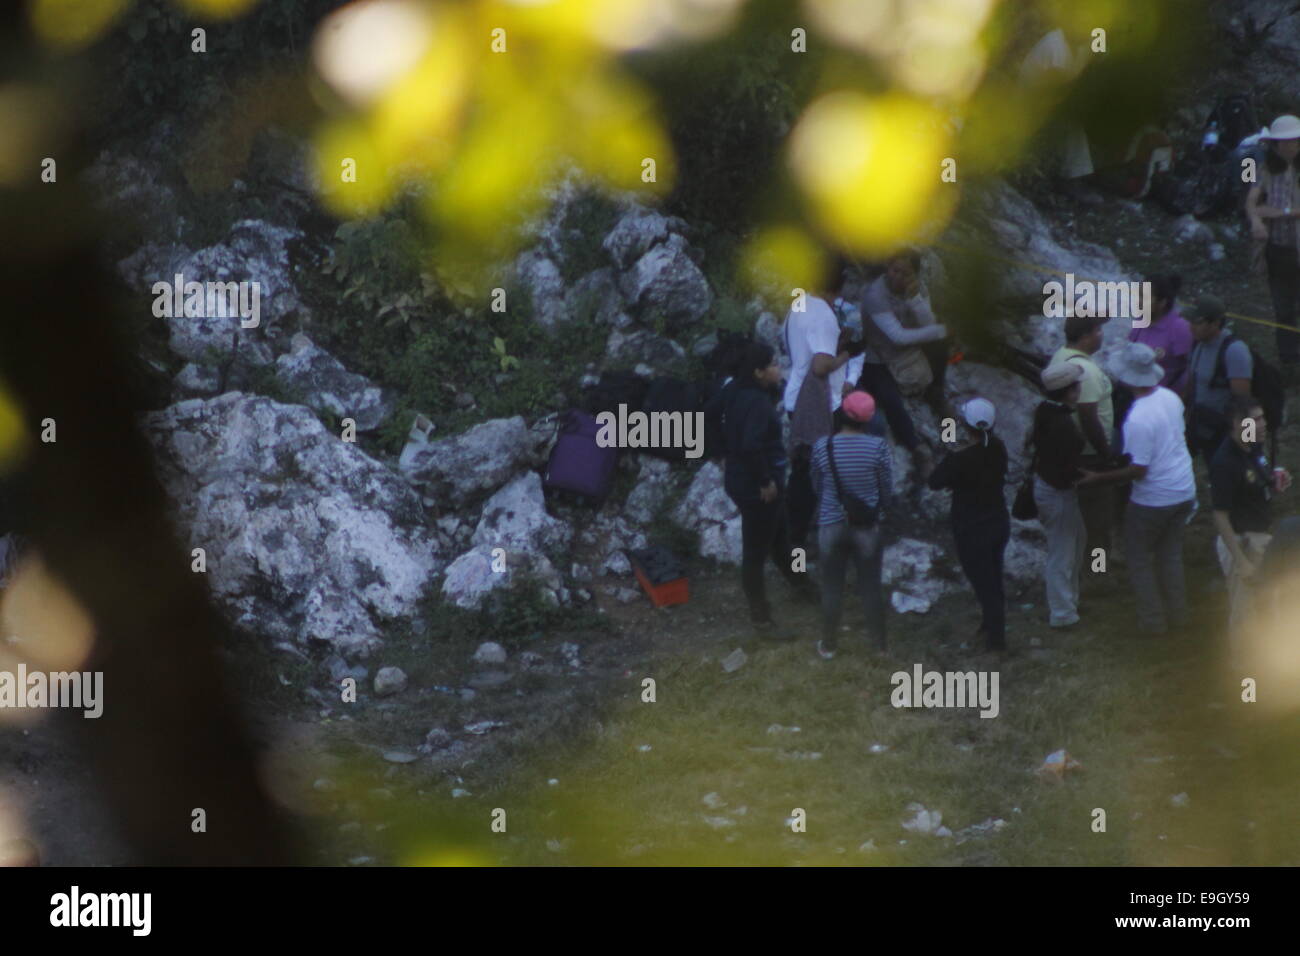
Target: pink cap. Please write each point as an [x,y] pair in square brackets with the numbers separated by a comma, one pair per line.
[859,406]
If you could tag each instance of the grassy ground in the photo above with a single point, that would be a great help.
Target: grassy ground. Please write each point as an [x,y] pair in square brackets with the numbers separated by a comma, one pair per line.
[1148,720]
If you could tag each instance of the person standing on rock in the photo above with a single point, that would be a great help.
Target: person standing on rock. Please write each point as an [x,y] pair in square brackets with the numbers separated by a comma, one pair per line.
[1273,207]
[1094,414]
[1164,491]
[905,350]
[755,479]
[981,527]
[819,352]
[851,464]
[1057,451]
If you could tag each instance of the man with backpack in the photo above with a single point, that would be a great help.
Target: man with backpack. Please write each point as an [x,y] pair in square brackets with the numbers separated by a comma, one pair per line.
[1221,367]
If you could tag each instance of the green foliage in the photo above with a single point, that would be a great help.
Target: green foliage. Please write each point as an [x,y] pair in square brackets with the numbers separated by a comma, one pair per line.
[728,142]
[507,361]
[376,264]
[587,220]
[148,55]
[378,310]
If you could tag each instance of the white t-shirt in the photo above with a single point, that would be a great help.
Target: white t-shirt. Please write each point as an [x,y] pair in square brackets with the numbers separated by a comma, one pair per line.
[1153,435]
[807,333]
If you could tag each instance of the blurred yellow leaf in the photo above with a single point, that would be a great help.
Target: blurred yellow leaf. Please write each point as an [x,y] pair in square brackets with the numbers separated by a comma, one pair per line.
[781,258]
[73,24]
[354,179]
[216,9]
[871,168]
[13,434]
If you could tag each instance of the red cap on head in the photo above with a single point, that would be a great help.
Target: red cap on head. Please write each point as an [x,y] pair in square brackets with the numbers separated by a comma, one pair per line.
[859,406]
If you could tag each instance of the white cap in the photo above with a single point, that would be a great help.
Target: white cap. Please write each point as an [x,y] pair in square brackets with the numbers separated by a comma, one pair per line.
[979,413]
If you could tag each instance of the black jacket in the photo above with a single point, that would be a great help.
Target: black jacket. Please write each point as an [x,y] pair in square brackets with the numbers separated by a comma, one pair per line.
[1057,445]
[976,476]
[751,431]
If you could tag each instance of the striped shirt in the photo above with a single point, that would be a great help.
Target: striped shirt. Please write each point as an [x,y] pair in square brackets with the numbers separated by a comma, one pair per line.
[866,471]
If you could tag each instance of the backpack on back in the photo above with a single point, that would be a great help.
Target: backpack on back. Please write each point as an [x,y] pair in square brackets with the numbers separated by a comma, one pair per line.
[1265,384]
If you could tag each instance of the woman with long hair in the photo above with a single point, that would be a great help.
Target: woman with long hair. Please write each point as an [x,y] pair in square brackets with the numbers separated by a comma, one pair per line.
[1273,207]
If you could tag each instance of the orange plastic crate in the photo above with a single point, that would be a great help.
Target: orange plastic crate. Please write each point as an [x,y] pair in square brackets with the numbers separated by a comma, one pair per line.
[677,591]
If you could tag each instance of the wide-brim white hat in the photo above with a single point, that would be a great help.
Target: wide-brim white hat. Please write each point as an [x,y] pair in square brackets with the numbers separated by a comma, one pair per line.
[1137,366]
[1284,127]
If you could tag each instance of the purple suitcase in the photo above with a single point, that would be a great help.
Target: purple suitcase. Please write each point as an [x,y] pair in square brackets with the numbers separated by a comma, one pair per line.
[577,463]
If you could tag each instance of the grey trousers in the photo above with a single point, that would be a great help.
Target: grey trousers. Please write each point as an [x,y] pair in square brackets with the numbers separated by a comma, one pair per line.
[1066,538]
[839,542]
[1153,542]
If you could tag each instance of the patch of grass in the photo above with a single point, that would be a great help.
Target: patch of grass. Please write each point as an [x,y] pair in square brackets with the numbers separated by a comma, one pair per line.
[1145,721]
[587,220]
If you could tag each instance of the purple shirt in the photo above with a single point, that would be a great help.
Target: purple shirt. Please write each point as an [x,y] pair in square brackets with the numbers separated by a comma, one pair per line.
[1172,333]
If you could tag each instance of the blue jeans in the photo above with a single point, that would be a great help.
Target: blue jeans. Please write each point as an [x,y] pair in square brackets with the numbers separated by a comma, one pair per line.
[1153,540]
[838,543]
[879,381]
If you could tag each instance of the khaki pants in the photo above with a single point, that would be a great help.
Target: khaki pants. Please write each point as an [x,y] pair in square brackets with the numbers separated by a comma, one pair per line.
[1241,594]
[1063,524]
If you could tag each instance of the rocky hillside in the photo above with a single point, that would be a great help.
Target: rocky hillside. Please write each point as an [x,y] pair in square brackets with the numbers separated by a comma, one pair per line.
[313,539]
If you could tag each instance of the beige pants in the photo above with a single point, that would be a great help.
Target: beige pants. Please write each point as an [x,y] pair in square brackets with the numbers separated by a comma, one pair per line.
[1241,594]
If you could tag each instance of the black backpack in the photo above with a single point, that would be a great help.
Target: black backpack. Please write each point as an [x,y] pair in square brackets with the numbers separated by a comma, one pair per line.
[658,564]
[669,394]
[1265,384]
[614,389]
